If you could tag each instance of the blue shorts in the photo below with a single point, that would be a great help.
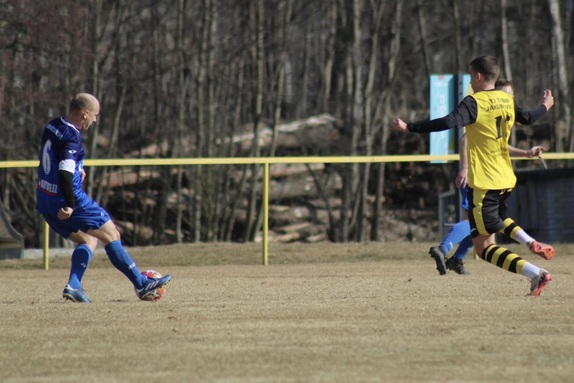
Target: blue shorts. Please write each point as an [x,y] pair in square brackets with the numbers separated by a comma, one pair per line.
[84,218]
[464,198]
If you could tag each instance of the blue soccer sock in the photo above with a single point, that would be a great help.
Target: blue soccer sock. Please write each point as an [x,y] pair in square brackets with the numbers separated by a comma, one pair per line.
[455,235]
[81,258]
[124,263]
[463,248]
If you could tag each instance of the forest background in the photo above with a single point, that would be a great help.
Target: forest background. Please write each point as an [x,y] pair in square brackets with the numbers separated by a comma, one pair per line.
[185,78]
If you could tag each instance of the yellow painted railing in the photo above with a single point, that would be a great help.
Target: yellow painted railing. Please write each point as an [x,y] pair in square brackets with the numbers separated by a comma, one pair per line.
[266,162]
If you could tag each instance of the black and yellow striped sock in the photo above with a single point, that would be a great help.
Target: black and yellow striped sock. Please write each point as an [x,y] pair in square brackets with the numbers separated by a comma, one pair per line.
[504,258]
[510,229]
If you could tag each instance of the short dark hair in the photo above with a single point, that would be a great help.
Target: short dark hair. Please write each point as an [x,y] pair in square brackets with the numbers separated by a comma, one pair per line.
[487,66]
[503,82]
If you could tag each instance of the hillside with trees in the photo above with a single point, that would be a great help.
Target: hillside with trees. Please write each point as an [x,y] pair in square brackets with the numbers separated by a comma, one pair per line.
[234,78]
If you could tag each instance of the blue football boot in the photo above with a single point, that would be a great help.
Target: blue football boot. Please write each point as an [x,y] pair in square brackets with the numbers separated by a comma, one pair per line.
[75,295]
[151,285]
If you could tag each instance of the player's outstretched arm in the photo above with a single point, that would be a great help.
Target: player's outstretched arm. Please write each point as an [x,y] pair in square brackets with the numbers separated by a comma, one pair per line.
[463,115]
[529,117]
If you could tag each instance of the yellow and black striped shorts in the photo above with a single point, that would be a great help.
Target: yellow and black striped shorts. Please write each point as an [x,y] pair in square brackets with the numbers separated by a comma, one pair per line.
[487,210]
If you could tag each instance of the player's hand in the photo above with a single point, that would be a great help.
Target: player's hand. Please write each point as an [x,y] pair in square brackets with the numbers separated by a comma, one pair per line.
[399,125]
[535,151]
[548,99]
[65,212]
[462,178]
[83,175]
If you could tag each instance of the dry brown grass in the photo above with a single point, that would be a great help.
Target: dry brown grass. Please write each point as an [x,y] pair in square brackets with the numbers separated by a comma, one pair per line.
[317,313]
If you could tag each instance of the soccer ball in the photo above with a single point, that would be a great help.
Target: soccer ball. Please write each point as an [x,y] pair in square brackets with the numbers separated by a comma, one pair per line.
[157,293]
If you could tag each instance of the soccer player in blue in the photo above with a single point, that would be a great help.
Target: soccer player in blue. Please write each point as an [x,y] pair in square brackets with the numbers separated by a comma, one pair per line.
[70,212]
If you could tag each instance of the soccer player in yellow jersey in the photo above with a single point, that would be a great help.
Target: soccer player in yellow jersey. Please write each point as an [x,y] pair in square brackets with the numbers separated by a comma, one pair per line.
[489,115]
[459,233]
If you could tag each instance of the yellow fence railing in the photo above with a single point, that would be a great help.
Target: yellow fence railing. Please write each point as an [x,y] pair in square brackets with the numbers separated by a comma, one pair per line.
[266,162]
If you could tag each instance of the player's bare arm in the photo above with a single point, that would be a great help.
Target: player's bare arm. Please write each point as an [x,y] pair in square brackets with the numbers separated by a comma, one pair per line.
[462,176]
[535,151]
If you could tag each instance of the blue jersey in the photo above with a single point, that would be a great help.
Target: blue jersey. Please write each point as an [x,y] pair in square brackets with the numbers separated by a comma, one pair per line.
[61,149]
[464,198]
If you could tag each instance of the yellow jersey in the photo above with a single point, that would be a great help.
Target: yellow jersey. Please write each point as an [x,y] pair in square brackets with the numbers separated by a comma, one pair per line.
[487,141]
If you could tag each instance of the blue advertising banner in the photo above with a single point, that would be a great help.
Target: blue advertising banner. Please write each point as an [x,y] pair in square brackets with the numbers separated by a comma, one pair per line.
[464,86]
[442,102]
[446,91]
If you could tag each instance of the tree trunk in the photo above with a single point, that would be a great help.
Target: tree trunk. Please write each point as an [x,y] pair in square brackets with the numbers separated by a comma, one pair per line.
[506,55]
[562,141]
[93,132]
[456,31]
[280,86]
[181,103]
[422,31]
[112,152]
[369,111]
[330,55]
[383,116]
[353,119]
[236,198]
[210,177]
[257,10]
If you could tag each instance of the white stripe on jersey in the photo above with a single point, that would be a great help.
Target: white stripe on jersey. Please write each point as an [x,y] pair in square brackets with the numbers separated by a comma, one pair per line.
[67,165]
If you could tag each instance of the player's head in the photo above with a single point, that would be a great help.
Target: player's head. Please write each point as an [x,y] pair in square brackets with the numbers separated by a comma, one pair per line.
[484,71]
[505,85]
[84,109]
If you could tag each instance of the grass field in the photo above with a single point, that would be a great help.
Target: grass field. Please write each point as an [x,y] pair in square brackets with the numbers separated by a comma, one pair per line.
[318,313]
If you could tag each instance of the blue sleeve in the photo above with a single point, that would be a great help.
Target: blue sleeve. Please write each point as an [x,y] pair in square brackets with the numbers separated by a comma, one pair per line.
[70,148]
